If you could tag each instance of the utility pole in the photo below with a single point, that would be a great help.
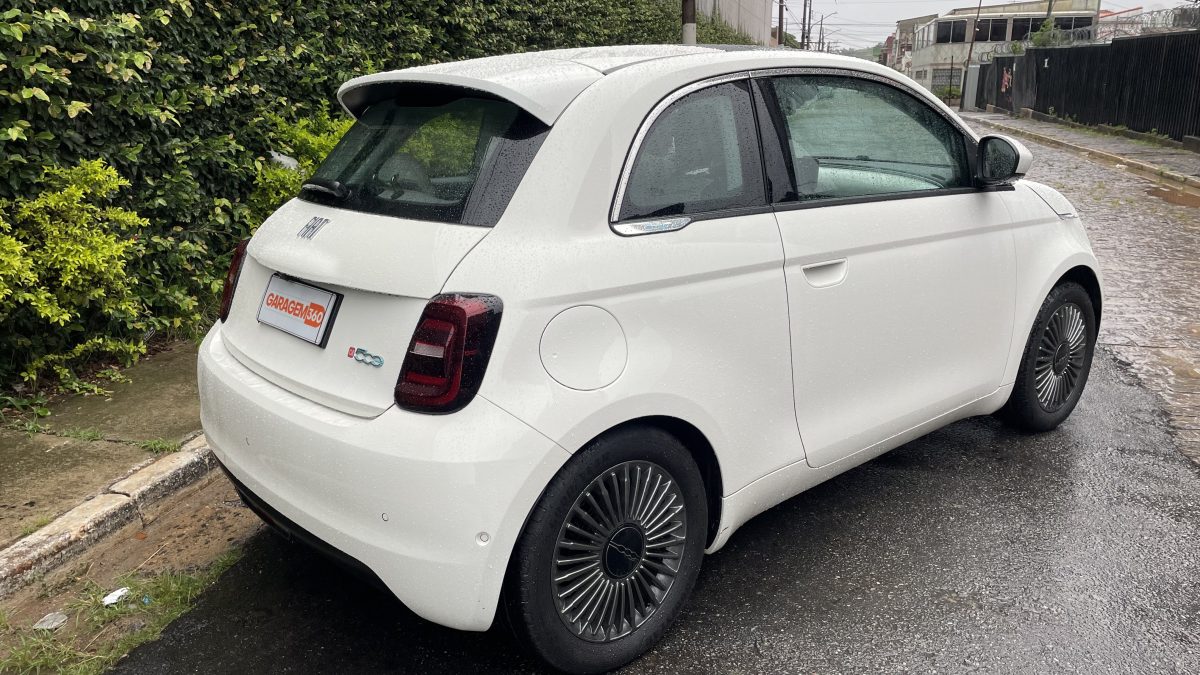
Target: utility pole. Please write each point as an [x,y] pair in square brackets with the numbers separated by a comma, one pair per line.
[779,30]
[805,27]
[808,21]
[689,22]
[962,90]
[821,39]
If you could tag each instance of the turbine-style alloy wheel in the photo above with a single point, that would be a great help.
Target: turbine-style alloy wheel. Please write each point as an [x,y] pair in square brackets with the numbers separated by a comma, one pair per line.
[619,550]
[1060,357]
[1056,361]
[610,552]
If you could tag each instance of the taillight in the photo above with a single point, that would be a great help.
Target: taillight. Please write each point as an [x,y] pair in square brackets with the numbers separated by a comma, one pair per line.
[231,279]
[449,353]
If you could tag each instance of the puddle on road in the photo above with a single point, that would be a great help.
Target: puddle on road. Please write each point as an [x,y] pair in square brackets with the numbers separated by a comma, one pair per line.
[1175,196]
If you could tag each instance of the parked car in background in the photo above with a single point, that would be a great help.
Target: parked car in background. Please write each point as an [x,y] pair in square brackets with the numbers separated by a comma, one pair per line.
[545,328]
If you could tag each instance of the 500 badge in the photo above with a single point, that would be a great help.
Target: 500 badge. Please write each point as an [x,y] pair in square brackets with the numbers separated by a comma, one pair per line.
[363,356]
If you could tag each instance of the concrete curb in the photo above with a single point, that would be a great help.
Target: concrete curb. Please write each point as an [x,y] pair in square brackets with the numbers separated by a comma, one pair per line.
[1135,166]
[125,501]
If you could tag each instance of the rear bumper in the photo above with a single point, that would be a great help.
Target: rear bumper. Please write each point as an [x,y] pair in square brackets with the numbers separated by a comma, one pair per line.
[405,495]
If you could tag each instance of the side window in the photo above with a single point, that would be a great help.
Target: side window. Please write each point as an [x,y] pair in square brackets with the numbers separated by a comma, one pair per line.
[851,137]
[701,154]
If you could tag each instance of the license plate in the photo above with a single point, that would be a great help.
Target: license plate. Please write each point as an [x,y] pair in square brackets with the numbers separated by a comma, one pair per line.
[299,309]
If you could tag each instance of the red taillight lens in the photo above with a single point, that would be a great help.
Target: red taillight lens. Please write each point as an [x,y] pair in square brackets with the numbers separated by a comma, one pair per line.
[231,279]
[449,353]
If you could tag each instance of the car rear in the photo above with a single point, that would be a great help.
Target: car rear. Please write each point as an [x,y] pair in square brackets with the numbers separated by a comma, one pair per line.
[338,387]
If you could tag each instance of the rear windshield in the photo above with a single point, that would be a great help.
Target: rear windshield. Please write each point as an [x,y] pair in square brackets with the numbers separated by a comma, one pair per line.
[431,153]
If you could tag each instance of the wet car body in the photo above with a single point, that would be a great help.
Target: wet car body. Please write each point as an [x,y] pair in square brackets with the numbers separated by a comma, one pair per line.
[779,310]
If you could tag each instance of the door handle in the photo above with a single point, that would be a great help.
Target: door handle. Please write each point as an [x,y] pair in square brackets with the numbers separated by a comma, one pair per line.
[825,274]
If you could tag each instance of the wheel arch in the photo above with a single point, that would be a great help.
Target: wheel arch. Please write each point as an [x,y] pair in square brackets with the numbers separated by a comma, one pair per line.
[702,453]
[697,445]
[1085,276]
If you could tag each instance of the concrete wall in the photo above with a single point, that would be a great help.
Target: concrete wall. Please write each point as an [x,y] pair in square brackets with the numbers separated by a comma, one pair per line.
[945,56]
[1060,6]
[752,17]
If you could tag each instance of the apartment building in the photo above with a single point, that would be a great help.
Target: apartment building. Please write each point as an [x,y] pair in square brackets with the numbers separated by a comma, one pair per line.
[941,44]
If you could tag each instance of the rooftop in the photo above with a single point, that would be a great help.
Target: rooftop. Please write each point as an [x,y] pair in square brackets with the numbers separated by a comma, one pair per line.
[544,83]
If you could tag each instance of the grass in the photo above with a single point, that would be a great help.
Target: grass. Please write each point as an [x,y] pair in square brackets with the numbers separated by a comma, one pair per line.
[153,602]
[36,524]
[87,434]
[158,446]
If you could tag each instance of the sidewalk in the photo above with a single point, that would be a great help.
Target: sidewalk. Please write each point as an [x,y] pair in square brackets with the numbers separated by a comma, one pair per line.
[112,493]
[90,442]
[1151,159]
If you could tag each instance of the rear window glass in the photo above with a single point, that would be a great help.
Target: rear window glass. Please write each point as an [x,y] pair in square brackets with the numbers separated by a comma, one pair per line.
[431,153]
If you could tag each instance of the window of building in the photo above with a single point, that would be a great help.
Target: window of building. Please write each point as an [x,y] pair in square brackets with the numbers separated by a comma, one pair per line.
[991,30]
[946,77]
[951,31]
[1072,22]
[1023,27]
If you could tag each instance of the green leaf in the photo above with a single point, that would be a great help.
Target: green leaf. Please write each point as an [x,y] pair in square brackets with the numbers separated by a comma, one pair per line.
[76,107]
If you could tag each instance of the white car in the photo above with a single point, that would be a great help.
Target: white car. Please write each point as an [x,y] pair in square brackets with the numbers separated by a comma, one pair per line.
[543,329]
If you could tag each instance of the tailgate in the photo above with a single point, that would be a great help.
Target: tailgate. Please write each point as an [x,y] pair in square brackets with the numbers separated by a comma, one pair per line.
[383,270]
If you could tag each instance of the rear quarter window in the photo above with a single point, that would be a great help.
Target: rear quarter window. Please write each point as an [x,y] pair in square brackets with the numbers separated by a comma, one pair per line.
[700,155]
[430,152]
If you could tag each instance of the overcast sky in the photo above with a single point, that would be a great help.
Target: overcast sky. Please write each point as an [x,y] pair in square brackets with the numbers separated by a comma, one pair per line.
[861,23]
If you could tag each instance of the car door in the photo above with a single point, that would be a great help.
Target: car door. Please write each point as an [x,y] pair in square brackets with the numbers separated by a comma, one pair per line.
[698,283]
[900,273]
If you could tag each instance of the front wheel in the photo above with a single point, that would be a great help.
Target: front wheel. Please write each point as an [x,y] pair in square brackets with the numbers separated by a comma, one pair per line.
[610,553]
[1056,361]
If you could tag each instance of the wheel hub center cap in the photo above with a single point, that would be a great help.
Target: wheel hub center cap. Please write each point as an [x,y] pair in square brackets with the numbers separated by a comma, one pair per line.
[624,551]
[1060,358]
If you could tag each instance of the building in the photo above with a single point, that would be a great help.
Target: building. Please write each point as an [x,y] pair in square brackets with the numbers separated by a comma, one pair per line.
[901,55]
[940,45]
[752,17]
[885,54]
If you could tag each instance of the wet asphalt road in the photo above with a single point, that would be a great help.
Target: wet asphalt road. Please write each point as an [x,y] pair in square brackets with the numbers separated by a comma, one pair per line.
[974,549]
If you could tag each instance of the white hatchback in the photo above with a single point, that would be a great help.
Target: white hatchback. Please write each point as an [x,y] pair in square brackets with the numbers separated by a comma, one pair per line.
[643,294]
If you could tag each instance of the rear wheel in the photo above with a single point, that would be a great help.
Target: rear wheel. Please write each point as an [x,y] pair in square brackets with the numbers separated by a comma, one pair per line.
[610,552]
[1056,361]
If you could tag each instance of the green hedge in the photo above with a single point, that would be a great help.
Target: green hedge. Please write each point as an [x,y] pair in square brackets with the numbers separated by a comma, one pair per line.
[184,99]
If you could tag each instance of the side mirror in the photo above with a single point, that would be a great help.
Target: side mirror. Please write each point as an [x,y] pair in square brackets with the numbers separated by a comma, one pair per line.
[1002,160]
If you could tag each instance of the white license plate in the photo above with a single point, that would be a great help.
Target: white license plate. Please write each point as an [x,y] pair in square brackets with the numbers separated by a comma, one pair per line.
[299,309]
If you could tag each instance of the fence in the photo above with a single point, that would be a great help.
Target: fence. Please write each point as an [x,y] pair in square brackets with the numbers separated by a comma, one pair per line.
[1145,83]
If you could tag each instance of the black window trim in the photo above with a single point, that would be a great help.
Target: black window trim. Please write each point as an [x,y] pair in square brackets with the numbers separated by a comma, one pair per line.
[887,197]
[971,144]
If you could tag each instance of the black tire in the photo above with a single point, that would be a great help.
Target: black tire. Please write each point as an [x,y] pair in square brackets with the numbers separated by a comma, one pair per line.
[1052,360]
[533,598]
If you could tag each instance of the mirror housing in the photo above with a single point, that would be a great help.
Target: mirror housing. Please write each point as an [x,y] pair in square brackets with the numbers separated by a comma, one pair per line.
[1002,160]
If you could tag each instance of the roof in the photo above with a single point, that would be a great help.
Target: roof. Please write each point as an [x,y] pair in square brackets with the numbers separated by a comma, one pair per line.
[541,83]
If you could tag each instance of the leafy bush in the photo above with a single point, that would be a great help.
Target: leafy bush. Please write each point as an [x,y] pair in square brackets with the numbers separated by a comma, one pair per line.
[713,31]
[185,100]
[65,292]
[947,91]
[1045,35]
[307,141]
